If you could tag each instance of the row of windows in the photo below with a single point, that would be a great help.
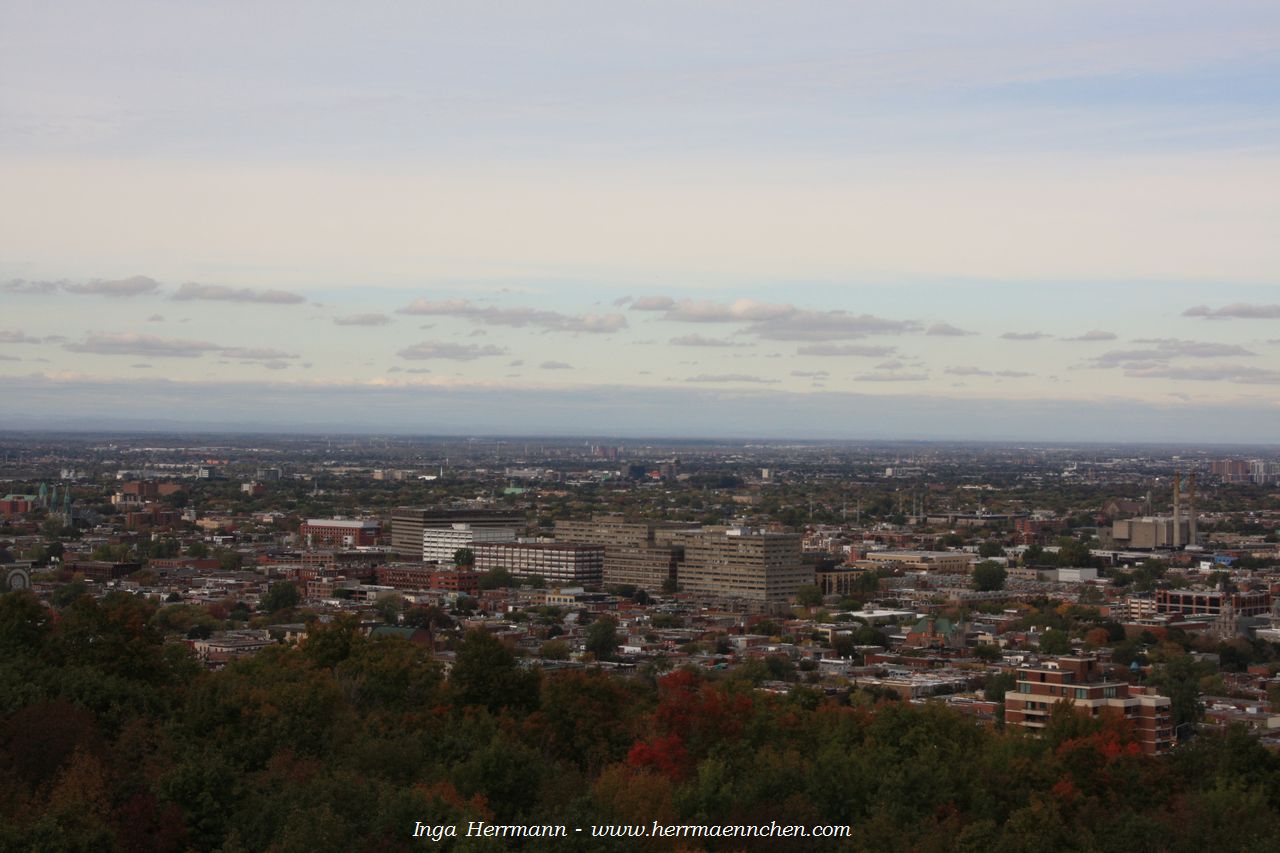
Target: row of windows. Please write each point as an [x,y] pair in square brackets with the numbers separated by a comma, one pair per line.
[1081,693]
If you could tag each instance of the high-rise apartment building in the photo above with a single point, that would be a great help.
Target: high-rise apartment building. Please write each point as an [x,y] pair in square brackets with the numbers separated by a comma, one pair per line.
[737,563]
[1264,472]
[643,554]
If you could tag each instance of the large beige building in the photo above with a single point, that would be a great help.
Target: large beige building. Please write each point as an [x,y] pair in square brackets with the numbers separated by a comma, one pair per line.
[947,562]
[737,563]
[554,562]
[1151,533]
[643,554]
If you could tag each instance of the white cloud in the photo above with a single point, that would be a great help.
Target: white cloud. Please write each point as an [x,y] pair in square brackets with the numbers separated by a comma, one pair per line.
[13,336]
[1167,349]
[837,350]
[135,286]
[731,377]
[653,303]
[1237,310]
[30,288]
[256,353]
[701,341]
[456,352]
[516,317]
[130,343]
[362,320]
[1233,373]
[947,330]
[222,293]
[891,377]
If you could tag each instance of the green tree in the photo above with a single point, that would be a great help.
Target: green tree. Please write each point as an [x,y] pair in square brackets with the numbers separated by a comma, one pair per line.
[485,674]
[998,684]
[24,622]
[464,557]
[281,596]
[389,605]
[780,668]
[602,638]
[430,618]
[554,650]
[498,578]
[67,593]
[1178,677]
[1055,642]
[987,652]
[809,595]
[989,576]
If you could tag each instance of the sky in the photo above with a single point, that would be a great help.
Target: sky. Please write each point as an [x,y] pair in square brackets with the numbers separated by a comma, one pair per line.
[1031,221]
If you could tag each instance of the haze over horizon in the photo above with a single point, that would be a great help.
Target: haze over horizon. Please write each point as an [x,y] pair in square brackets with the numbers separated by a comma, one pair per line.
[1039,222]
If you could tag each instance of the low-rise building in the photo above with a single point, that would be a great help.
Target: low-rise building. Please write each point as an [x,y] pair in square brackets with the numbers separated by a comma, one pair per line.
[339,532]
[1079,682]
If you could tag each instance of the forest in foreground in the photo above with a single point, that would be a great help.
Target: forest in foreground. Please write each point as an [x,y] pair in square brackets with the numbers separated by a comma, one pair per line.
[112,738]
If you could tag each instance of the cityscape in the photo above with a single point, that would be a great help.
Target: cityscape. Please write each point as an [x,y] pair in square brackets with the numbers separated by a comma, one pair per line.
[633,616]
[669,427]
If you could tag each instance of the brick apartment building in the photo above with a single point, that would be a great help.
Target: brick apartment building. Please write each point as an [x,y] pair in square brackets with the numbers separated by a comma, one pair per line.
[1210,603]
[1079,682]
[417,576]
[339,533]
[101,571]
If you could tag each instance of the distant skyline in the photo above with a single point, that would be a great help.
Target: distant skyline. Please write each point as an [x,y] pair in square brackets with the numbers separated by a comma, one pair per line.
[1030,221]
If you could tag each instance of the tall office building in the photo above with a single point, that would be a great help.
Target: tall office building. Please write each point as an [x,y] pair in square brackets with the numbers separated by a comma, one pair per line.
[441,543]
[407,524]
[643,554]
[737,563]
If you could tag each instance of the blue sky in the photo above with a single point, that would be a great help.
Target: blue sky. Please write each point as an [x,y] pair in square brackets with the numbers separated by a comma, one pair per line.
[786,211]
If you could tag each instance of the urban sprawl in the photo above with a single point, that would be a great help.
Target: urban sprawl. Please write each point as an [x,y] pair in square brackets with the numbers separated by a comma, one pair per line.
[1018,588]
